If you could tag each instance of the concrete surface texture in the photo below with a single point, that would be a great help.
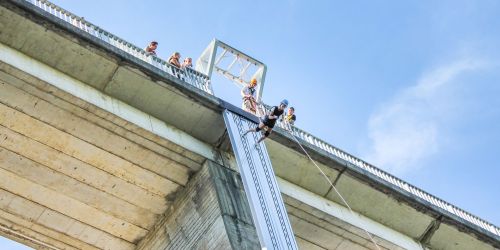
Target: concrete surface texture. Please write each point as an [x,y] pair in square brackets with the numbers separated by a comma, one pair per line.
[213,213]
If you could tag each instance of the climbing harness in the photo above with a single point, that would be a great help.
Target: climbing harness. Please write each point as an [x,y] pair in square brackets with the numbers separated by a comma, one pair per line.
[250,104]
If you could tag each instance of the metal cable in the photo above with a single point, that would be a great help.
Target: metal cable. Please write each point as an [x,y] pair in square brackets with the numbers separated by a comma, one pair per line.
[333,186]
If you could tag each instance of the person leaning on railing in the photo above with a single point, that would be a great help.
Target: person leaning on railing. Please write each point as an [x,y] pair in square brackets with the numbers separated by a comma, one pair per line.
[174,59]
[248,94]
[151,48]
[188,63]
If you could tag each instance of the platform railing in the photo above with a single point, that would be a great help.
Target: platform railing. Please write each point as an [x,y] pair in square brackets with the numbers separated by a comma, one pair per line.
[312,140]
[188,75]
[202,82]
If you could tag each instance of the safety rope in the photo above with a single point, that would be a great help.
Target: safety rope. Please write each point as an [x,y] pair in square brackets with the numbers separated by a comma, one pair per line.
[333,186]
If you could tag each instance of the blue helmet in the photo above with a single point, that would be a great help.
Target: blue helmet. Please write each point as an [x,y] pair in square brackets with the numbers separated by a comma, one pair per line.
[284,102]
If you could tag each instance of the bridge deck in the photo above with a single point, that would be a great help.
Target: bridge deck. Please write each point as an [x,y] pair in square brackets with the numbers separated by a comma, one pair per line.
[51,55]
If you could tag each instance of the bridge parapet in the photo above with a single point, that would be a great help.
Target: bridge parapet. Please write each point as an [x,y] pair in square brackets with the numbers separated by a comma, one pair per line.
[444,207]
[202,82]
[188,75]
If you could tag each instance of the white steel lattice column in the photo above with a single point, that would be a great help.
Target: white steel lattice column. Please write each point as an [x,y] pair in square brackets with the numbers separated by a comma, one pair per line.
[233,64]
[268,210]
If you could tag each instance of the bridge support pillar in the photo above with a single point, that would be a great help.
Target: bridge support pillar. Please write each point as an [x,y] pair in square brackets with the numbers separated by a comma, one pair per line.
[211,212]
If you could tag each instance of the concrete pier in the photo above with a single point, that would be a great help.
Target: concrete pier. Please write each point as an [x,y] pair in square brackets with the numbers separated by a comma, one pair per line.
[212,212]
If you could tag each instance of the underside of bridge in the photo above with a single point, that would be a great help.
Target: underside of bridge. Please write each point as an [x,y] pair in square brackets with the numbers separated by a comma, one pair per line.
[100,150]
[74,176]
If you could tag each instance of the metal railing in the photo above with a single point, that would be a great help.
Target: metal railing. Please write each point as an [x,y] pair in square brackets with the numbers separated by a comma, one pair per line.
[188,75]
[315,141]
[202,82]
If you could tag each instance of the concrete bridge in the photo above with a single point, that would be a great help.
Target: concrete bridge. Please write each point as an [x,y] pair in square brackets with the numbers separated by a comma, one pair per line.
[103,147]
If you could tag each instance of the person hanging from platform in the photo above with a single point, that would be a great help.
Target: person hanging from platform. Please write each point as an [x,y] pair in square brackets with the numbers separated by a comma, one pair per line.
[290,117]
[268,121]
[248,93]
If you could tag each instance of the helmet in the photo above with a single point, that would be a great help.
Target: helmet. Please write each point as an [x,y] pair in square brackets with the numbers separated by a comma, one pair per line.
[284,102]
[253,82]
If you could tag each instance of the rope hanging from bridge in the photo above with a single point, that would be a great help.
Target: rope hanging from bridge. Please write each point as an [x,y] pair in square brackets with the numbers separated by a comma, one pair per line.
[333,186]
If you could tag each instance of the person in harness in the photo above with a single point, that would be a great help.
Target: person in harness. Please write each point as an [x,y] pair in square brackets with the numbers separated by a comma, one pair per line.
[248,95]
[290,117]
[269,120]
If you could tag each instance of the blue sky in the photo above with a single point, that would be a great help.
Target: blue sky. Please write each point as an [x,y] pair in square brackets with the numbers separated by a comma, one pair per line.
[410,86]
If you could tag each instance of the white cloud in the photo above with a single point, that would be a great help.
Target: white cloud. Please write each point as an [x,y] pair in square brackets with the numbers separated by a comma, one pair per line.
[407,129]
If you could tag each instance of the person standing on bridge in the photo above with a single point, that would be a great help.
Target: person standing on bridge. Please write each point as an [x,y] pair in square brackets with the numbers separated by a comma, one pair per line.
[174,59]
[269,120]
[248,95]
[188,63]
[151,48]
